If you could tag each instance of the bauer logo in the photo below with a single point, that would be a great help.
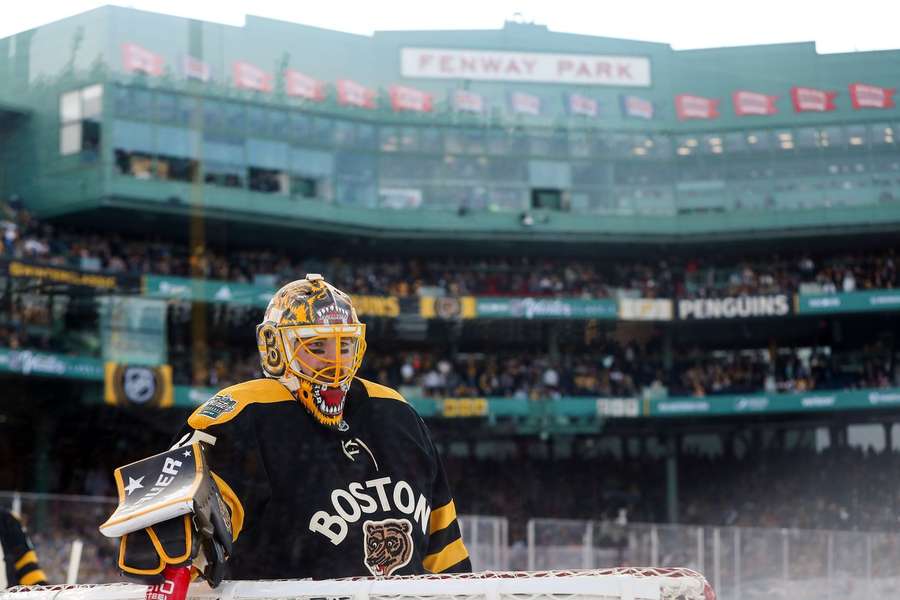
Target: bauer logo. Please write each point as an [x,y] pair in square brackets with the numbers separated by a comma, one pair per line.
[216,406]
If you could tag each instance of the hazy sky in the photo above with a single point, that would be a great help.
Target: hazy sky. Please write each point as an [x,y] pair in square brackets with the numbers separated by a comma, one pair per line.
[835,26]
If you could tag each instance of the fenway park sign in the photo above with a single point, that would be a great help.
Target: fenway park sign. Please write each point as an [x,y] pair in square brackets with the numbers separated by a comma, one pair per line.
[487,65]
[740,307]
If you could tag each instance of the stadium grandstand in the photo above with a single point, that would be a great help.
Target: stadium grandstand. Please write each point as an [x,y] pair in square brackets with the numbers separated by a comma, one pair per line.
[646,300]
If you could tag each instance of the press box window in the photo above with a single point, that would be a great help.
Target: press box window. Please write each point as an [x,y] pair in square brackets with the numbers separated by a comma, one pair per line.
[548,199]
[79,117]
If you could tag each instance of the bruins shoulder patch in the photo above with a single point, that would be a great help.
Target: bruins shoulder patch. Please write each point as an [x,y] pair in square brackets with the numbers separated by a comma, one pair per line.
[228,403]
[376,390]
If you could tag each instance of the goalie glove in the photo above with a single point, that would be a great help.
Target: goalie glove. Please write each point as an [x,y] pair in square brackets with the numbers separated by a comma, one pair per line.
[171,513]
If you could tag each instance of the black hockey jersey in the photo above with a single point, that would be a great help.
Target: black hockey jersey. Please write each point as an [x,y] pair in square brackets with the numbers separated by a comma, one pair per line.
[314,502]
[20,561]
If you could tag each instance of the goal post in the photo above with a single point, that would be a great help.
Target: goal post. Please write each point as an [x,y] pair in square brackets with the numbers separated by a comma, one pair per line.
[625,583]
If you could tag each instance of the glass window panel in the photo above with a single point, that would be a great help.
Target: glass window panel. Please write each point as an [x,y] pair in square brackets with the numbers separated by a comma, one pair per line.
[165,107]
[539,143]
[214,116]
[70,139]
[496,141]
[92,101]
[141,103]
[662,146]
[882,134]
[511,199]
[431,139]
[70,107]
[323,130]
[344,134]
[591,173]
[256,120]
[559,143]
[760,140]
[278,123]
[186,108]
[409,139]
[220,149]
[507,169]
[389,139]
[134,137]
[365,135]
[267,154]
[785,140]
[454,141]
[301,126]
[735,142]
[176,141]
[356,165]
[806,138]
[857,137]
[622,144]
[579,144]
[832,137]
[312,163]
[600,143]
[235,116]
[475,143]
[686,145]
[353,193]
[121,100]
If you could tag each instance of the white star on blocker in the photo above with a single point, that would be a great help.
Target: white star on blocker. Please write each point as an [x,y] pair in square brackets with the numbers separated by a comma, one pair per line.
[134,484]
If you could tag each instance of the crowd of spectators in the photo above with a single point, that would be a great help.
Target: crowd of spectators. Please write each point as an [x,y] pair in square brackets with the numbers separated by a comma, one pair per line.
[612,372]
[669,276]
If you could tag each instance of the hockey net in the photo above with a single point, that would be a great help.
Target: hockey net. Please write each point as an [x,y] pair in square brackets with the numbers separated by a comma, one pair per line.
[624,583]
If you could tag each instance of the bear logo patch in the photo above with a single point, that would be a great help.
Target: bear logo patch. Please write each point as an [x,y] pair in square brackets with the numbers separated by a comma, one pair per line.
[388,545]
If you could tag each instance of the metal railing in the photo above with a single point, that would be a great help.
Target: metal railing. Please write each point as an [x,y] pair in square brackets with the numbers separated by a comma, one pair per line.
[742,563]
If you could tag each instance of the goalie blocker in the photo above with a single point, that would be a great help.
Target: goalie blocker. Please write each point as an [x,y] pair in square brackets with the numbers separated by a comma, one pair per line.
[172,513]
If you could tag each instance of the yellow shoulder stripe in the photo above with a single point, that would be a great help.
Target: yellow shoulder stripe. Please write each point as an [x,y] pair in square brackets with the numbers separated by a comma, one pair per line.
[376,390]
[451,554]
[228,403]
[442,517]
[234,503]
[33,577]
[28,557]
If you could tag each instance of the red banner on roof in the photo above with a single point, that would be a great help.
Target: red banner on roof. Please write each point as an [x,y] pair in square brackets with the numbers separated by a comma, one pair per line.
[250,77]
[138,59]
[863,95]
[466,101]
[810,99]
[355,94]
[579,104]
[688,106]
[303,86]
[525,104]
[407,98]
[753,103]
[635,106]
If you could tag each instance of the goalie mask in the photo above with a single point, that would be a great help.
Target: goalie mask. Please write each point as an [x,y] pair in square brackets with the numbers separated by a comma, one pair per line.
[312,342]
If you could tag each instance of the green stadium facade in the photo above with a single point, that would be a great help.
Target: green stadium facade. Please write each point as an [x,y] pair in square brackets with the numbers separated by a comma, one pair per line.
[446,134]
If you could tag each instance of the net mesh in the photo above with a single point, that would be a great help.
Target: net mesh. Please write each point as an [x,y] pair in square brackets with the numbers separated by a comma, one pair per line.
[621,583]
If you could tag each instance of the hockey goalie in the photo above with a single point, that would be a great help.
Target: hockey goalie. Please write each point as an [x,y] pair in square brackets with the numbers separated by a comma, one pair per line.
[308,472]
